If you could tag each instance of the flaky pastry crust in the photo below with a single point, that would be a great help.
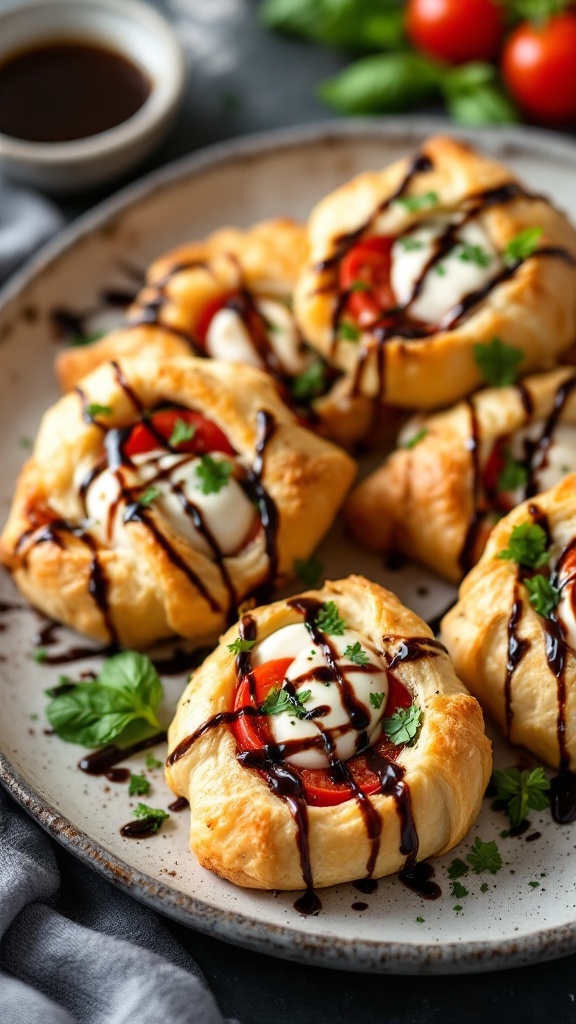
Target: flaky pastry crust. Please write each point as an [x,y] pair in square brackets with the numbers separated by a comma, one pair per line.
[532,309]
[242,831]
[136,592]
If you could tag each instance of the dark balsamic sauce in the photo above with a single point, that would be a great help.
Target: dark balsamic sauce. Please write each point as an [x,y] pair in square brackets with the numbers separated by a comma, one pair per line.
[359,907]
[563,797]
[118,774]
[466,559]
[100,762]
[517,648]
[419,880]
[142,828]
[180,804]
[533,837]
[520,829]
[367,886]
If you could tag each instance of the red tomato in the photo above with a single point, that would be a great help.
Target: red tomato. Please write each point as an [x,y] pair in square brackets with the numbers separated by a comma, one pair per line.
[207,436]
[456,30]
[368,264]
[251,733]
[208,313]
[494,466]
[539,68]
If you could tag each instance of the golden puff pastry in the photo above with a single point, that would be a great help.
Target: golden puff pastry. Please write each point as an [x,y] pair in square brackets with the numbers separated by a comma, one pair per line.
[331,785]
[410,267]
[160,495]
[512,633]
[438,495]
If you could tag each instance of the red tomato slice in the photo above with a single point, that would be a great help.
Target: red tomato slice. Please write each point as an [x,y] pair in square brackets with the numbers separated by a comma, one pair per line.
[321,789]
[208,313]
[368,264]
[494,467]
[207,436]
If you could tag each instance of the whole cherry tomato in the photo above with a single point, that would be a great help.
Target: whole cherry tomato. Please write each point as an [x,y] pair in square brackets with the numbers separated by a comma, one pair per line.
[207,437]
[456,30]
[539,68]
[365,272]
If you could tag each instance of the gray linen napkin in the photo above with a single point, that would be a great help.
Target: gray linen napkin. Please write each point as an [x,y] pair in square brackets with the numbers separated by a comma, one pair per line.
[73,949]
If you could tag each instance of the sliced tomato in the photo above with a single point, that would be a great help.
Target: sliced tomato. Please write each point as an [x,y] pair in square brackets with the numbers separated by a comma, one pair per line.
[207,436]
[208,313]
[365,272]
[494,466]
[251,733]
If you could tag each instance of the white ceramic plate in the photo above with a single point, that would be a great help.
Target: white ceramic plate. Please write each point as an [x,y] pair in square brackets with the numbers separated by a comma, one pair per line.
[510,923]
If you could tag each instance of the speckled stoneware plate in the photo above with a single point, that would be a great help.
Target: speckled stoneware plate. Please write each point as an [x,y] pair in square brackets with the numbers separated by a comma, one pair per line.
[528,910]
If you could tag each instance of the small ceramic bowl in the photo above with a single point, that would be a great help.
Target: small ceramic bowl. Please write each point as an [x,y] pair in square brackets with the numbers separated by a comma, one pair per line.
[129,27]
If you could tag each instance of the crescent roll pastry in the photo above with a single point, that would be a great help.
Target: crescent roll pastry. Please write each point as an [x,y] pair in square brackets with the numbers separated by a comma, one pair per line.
[161,495]
[326,739]
[230,297]
[411,266]
[512,633]
[456,472]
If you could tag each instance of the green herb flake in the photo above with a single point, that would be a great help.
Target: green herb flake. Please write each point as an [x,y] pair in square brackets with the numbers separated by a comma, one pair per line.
[279,701]
[498,363]
[360,286]
[328,619]
[376,700]
[534,885]
[138,786]
[25,442]
[94,409]
[213,474]
[357,654]
[513,474]
[409,244]
[148,496]
[458,891]
[527,545]
[86,339]
[309,570]
[484,887]
[415,203]
[458,908]
[504,833]
[34,717]
[543,595]
[521,790]
[241,646]
[523,245]
[420,920]
[403,726]
[182,432]
[416,438]
[154,814]
[310,383]
[457,869]
[473,254]
[484,857]
[40,654]
[348,331]
[152,762]
[440,269]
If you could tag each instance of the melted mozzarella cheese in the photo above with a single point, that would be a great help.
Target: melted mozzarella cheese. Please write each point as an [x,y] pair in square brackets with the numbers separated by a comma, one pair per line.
[228,338]
[560,458]
[449,281]
[334,720]
[284,337]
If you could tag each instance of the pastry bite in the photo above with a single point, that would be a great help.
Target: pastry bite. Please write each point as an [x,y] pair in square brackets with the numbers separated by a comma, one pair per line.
[456,472]
[230,298]
[409,267]
[512,633]
[161,495]
[327,738]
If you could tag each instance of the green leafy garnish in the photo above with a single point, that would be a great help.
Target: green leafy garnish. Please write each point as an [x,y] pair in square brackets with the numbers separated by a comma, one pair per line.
[309,570]
[120,704]
[25,442]
[279,701]
[152,762]
[403,726]
[348,331]
[473,254]
[420,920]
[86,339]
[522,245]
[383,83]
[416,438]
[241,646]
[94,409]
[148,496]
[154,814]
[484,887]
[365,25]
[458,891]
[411,244]
[415,203]
[534,885]
[376,700]
[473,94]
[521,790]
[458,908]
[457,869]
[310,383]
[328,619]
[543,596]
[40,654]
[514,474]
[357,654]
[527,545]
[498,363]
[484,857]
[213,474]
[138,786]
[360,286]
[182,432]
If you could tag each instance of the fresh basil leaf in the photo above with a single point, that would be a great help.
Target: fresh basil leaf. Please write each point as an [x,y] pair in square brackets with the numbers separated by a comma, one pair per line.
[350,24]
[474,96]
[133,679]
[382,83]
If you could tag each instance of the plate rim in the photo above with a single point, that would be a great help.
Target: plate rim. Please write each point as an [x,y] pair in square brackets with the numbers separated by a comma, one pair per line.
[366,955]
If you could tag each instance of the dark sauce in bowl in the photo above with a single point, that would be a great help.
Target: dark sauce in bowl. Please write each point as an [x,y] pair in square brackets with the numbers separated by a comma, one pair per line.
[68,89]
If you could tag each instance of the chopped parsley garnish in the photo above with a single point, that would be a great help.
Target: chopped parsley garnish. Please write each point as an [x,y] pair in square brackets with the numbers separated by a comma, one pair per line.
[310,383]
[457,908]
[94,409]
[534,885]
[484,887]
[521,790]
[25,442]
[522,245]
[440,270]
[484,857]
[498,363]
[513,474]
[415,203]
[240,645]
[152,762]
[458,891]
[357,654]
[457,869]
[120,704]
[213,475]
[376,700]
[148,496]
[403,726]
[420,920]
[154,814]
[86,339]
[527,545]
[416,438]
[411,244]
[348,331]
[309,570]
[473,254]
[40,655]
[278,701]
[542,595]
[138,786]
[328,619]
[182,432]
[360,286]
